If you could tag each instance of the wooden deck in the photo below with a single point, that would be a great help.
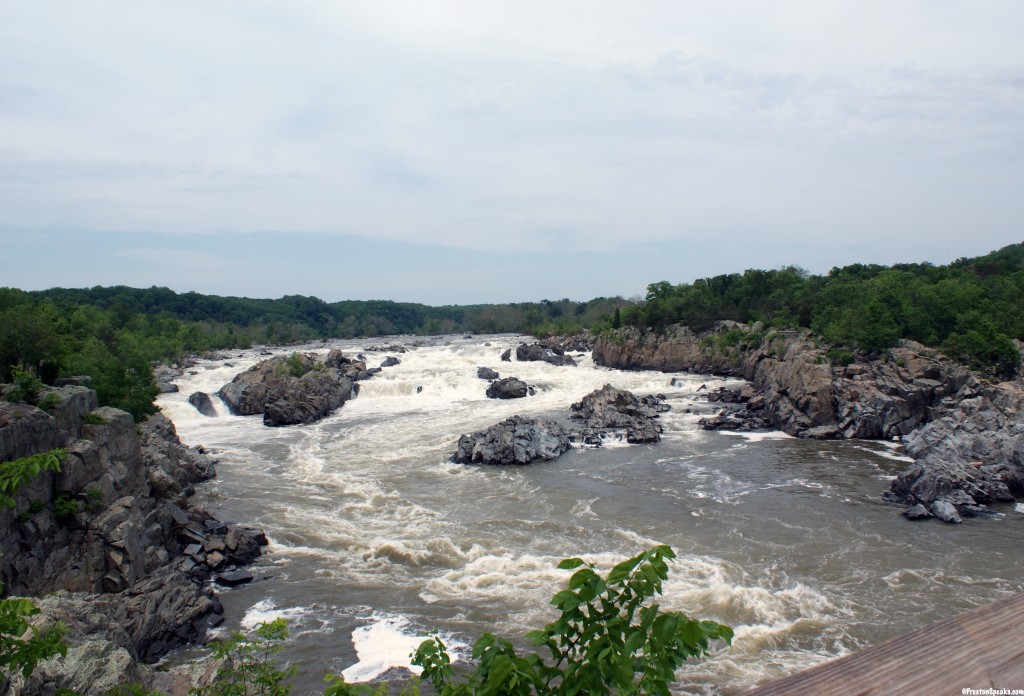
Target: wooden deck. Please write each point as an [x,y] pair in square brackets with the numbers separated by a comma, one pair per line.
[982,649]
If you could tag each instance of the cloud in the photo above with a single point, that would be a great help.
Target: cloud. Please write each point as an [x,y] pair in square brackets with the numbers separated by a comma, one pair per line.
[517,128]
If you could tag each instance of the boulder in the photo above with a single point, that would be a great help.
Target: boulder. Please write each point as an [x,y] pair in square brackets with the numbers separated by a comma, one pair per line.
[517,440]
[507,355]
[917,512]
[613,408]
[486,373]
[290,391]
[390,361]
[945,511]
[536,352]
[201,402]
[508,388]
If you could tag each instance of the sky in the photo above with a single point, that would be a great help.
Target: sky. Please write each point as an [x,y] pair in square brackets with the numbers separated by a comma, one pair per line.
[474,152]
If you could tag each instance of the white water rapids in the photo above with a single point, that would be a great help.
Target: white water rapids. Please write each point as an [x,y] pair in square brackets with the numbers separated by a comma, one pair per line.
[376,539]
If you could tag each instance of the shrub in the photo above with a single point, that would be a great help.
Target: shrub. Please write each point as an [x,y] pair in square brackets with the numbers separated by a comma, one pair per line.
[14,473]
[35,508]
[94,499]
[608,639]
[50,401]
[26,386]
[248,667]
[92,418]
[65,506]
[22,655]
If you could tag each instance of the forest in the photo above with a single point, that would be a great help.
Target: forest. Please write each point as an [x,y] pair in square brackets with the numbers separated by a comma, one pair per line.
[971,309]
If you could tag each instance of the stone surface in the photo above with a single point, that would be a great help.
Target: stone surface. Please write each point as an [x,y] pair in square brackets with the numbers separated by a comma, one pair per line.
[552,355]
[517,440]
[612,408]
[201,402]
[486,373]
[272,388]
[507,388]
[114,570]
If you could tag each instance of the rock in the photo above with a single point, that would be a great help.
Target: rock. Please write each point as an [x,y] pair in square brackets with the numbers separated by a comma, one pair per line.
[802,394]
[537,352]
[390,361]
[486,373]
[945,511]
[507,356]
[517,440]
[726,396]
[578,343]
[201,402]
[609,407]
[917,512]
[76,381]
[234,578]
[273,389]
[508,388]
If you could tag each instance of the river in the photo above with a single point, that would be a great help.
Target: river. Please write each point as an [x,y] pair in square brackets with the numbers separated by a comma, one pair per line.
[377,539]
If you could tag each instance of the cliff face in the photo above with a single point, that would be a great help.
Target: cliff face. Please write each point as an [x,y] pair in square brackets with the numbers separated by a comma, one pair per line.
[804,394]
[967,437]
[110,539]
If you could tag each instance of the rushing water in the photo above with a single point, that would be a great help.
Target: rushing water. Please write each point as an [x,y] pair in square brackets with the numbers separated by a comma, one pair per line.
[376,538]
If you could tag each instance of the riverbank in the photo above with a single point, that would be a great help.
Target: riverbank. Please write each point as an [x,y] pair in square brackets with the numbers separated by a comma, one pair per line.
[965,434]
[112,544]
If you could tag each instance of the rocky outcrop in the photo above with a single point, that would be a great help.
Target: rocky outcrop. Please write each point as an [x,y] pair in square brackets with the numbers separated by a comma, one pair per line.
[110,539]
[967,437]
[577,343]
[553,355]
[611,408]
[804,394]
[293,390]
[507,388]
[517,440]
[486,373]
[605,412]
[971,455]
[201,402]
[743,410]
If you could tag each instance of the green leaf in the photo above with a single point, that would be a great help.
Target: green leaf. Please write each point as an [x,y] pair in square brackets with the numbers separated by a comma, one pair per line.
[570,563]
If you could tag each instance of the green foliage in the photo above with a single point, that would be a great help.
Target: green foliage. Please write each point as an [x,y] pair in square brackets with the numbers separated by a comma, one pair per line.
[608,639]
[50,401]
[21,654]
[26,386]
[337,686]
[93,418]
[33,509]
[133,690]
[970,308]
[296,365]
[14,473]
[840,357]
[248,665]
[65,506]
[94,499]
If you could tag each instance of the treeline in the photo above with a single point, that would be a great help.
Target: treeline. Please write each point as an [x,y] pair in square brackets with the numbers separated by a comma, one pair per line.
[971,309]
[115,334]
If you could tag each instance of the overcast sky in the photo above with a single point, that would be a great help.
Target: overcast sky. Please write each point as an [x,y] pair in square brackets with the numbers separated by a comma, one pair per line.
[464,152]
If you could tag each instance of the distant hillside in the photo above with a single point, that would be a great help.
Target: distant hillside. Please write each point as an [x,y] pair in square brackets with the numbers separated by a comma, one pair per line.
[971,309]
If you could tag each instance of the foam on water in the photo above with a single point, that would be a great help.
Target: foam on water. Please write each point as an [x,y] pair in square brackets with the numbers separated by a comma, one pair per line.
[386,643]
